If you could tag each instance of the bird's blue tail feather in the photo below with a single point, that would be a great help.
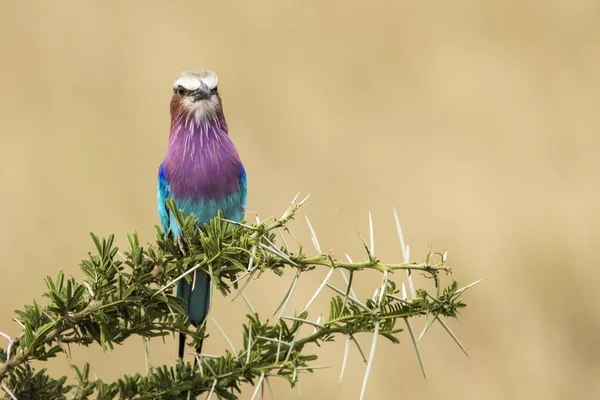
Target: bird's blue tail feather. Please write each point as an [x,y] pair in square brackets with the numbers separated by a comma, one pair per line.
[197,303]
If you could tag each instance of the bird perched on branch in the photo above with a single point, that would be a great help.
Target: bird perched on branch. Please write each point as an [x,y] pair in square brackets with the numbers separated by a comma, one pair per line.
[202,171]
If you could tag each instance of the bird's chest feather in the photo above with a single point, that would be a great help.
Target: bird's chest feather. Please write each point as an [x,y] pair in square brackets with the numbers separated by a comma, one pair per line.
[205,177]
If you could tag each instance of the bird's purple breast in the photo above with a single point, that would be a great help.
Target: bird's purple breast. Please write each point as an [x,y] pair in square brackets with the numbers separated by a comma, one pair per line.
[202,163]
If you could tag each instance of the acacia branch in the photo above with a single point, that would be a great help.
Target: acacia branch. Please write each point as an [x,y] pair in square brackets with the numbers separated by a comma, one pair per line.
[124,295]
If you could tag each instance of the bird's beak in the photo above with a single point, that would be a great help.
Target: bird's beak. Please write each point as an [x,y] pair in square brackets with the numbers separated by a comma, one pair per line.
[202,93]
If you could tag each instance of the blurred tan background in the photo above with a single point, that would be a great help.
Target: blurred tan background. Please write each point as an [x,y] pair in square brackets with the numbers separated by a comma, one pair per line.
[477,120]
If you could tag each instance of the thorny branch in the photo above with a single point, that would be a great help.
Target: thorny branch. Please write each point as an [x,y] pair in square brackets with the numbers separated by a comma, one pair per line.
[129,294]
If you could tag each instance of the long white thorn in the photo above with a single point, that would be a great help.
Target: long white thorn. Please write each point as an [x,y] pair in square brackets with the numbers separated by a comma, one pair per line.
[319,289]
[5,336]
[289,353]
[278,253]
[249,227]
[428,322]
[318,323]
[314,236]
[211,287]
[461,290]
[249,344]
[376,296]
[194,282]
[303,201]
[168,285]
[447,328]
[416,345]
[241,289]
[346,348]
[288,295]
[383,291]
[285,244]
[252,310]
[89,288]
[370,362]
[258,385]
[295,198]
[199,361]
[351,298]
[19,322]
[306,321]
[146,354]
[405,253]
[398,298]
[233,350]
[360,350]
[239,278]
[252,255]
[212,390]
[400,236]
[7,390]
[10,345]
[279,342]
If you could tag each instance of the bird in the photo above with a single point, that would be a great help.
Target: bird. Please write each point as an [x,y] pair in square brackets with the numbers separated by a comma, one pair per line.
[202,170]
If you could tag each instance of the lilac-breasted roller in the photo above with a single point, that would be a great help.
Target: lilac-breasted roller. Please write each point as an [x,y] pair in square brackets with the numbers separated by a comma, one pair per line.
[202,171]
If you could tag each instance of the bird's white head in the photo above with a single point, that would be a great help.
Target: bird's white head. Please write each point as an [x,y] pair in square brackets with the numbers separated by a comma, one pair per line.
[195,93]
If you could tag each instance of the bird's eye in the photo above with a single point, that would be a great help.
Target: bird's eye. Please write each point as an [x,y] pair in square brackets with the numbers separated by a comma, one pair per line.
[214,90]
[181,90]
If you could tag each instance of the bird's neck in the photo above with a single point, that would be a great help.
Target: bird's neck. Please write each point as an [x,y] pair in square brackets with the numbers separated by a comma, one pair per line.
[195,132]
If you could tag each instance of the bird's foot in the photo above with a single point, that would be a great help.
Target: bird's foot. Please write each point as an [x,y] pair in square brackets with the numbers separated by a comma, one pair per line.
[180,241]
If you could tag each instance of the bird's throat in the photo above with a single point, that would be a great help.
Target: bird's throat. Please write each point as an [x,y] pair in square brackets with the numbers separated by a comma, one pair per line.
[191,133]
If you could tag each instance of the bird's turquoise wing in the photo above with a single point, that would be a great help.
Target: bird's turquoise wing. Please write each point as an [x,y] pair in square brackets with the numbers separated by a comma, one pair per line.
[244,193]
[162,195]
